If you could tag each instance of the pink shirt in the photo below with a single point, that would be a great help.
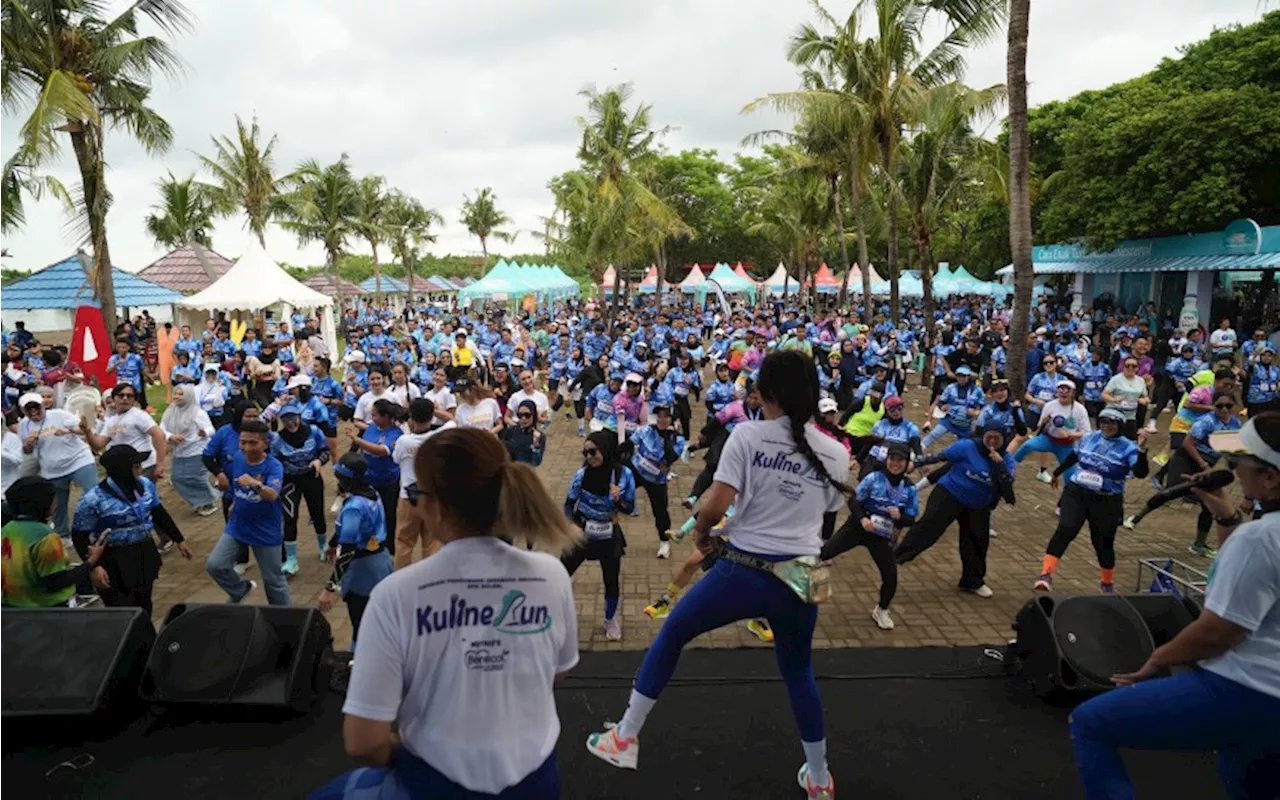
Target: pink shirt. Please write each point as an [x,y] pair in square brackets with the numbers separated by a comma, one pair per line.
[628,407]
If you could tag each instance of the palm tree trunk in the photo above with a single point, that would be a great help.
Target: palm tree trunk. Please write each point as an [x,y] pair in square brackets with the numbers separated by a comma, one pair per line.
[86,142]
[1019,195]
[923,245]
[855,200]
[337,279]
[484,251]
[844,246]
[891,260]
[662,271]
[617,293]
[377,270]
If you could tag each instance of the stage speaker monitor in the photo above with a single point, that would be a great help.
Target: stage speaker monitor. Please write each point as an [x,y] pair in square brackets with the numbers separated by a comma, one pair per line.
[1076,644]
[67,662]
[221,654]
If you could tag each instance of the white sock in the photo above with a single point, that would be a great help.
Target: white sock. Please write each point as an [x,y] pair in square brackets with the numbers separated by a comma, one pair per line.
[815,755]
[638,708]
[922,484]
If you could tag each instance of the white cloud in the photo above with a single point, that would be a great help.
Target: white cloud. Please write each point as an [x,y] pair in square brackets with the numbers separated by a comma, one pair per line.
[444,97]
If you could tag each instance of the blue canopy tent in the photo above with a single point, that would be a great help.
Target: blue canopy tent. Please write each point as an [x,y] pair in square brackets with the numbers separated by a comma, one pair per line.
[730,283]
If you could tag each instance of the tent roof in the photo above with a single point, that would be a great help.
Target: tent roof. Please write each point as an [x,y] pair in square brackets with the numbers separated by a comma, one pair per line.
[389,284]
[322,282]
[823,277]
[190,268]
[650,277]
[255,282]
[693,279]
[779,279]
[65,285]
[730,281]
[741,272]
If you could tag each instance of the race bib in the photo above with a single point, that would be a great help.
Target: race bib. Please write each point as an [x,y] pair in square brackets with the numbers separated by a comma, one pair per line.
[1088,480]
[596,426]
[682,391]
[598,529]
[883,526]
[1128,405]
[1044,394]
[630,427]
[647,466]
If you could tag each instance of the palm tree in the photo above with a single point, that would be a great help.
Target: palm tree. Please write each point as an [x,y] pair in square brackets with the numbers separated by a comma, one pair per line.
[369,225]
[81,73]
[1019,192]
[939,161]
[794,211]
[243,170]
[407,225]
[324,207]
[184,214]
[484,220]
[19,182]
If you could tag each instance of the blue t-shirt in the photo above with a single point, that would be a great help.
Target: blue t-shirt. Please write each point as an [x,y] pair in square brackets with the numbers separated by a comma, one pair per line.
[1206,426]
[877,494]
[129,370]
[129,521]
[297,460]
[970,480]
[254,521]
[382,469]
[1105,463]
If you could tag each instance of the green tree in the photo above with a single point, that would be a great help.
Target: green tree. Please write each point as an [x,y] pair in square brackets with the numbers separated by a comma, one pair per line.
[793,210]
[407,224]
[371,223]
[18,183]
[245,179]
[324,207]
[80,73]
[484,220]
[184,214]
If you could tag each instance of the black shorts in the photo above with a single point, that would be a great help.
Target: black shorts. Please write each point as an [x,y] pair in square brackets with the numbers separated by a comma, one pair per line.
[553,384]
[346,413]
[329,431]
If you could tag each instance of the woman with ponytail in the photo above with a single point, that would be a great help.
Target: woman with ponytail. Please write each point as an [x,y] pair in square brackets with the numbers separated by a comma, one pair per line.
[782,474]
[455,647]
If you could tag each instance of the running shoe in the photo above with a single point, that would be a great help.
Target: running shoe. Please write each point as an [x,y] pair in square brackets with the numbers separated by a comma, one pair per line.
[241,568]
[1203,550]
[613,629]
[607,746]
[206,510]
[664,549]
[684,452]
[660,608]
[1156,483]
[1151,426]
[1044,583]
[671,476]
[1044,477]
[761,629]
[883,621]
[992,533]
[813,792]
[1130,522]
[166,547]
[1161,459]
[983,591]
[249,587]
[1107,588]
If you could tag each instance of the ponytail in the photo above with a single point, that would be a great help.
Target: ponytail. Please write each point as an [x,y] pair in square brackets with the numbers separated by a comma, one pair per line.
[525,508]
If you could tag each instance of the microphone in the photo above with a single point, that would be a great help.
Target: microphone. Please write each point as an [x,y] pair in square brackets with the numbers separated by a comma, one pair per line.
[1212,480]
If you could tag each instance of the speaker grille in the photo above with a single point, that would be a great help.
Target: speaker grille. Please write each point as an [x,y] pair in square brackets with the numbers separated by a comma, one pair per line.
[206,652]
[1100,637]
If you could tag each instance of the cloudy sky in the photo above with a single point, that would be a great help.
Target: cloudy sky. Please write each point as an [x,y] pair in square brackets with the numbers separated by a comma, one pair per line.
[445,96]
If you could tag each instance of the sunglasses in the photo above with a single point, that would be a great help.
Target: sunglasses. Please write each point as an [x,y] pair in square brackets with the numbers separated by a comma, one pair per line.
[1224,405]
[524,415]
[588,452]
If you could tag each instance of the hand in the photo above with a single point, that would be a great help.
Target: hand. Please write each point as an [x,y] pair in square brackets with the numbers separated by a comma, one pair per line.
[330,554]
[246,481]
[326,601]
[995,456]
[185,550]
[31,440]
[614,492]
[159,470]
[1142,438]
[96,551]
[1147,670]
[868,525]
[220,480]
[1215,501]
[1055,482]
[98,577]
[1144,400]
[177,438]
[315,466]
[895,513]
[200,433]
[1017,404]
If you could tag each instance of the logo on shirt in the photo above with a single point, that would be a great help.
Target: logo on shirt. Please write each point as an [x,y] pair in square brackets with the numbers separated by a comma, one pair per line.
[515,616]
[486,656]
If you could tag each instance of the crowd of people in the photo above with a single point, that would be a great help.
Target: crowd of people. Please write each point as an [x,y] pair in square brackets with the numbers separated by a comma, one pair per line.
[433,422]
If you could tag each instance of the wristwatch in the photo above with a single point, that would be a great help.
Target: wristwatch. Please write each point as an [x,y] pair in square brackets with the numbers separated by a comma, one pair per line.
[1227,522]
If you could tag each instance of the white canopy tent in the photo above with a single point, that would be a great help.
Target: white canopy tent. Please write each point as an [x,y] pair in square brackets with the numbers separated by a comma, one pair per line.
[774,283]
[693,280]
[256,283]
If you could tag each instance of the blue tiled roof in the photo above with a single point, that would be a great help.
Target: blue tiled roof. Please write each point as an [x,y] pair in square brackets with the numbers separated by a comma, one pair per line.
[389,284]
[65,285]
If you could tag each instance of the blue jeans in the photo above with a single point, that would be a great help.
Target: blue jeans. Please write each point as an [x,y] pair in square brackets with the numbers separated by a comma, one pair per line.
[410,778]
[221,567]
[191,480]
[1197,710]
[732,592]
[86,478]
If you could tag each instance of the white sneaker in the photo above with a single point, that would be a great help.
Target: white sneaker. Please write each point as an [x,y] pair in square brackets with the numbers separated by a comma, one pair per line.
[1151,426]
[992,533]
[983,591]
[252,585]
[613,630]
[664,550]
[609,748]
[205,511]
[883,621]
[1044,477]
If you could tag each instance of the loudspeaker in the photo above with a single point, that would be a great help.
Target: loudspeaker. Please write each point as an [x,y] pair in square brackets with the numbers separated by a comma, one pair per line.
[1075,644]
[67,662]
[223,654]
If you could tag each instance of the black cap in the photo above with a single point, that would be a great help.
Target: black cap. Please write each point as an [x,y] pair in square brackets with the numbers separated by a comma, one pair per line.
[121,455]
[898,449]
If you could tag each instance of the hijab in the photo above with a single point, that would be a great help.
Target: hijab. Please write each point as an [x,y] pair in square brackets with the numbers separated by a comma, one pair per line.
[182,413]
[596,480]
[118,462]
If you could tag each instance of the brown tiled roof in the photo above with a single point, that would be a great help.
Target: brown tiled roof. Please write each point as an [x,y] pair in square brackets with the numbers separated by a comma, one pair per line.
[323,283]
[190,268]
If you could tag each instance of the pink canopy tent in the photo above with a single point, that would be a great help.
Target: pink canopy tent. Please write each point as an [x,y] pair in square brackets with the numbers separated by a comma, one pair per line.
[606,281]
[824,281]
[741,272]
[650,282]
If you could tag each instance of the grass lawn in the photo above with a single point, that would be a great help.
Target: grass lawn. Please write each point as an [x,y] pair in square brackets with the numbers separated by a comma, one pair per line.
[158,398]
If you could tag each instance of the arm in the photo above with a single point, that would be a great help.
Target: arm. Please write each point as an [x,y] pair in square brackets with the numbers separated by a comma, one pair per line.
[1066,464]
[161,446]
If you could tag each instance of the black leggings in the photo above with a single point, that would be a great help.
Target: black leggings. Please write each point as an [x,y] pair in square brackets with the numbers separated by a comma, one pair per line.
[852,534]
[133,597]
[708,474]
[579,408]
[356,604]
[975,535]
[658,502]
[939,383]
[1165,392]
[683,415]
[389,493]
[608,552]
[303,486]
[1103,512]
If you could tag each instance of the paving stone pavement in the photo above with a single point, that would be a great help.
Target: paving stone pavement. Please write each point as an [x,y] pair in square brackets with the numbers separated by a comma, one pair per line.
[928,609]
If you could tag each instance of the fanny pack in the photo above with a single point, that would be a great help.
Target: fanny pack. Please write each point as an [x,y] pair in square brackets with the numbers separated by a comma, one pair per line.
[804,575]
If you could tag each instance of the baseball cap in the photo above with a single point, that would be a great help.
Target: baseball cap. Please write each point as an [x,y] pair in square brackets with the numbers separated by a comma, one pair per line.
[1041,331]
[1065,382]
[826,405]
[291,408]
[354,356]
[30,398]
[74,368]
[634,377]
[898,449]
[893,402]
[212,366]
[1112,414]
[299,380]
[963,370]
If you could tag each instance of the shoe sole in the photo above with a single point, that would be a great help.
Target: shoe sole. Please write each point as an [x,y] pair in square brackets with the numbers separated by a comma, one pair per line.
[609,759]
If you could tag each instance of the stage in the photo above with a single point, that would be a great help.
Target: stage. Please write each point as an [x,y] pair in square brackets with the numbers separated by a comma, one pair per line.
[901,723]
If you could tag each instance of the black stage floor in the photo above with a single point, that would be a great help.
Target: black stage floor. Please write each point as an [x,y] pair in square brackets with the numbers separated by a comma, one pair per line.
[901,723]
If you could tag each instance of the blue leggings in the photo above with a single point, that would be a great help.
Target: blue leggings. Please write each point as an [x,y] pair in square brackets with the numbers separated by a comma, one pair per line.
[1196,711]
[730,592]
[1043,444]
[411,778]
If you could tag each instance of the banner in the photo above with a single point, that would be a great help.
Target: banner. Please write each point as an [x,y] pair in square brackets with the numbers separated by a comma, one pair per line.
[724,301]
[91,348]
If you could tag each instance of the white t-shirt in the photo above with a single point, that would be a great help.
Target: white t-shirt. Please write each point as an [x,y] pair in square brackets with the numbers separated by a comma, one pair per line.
[1064,420]
[1222,340]
[58,455]
[406,449]
[483,415]
[133,428]
[12,457]
[462,649]
[1245,590]
[781,499]
[403,394]
[443,400]
[364,406]
[538,399]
